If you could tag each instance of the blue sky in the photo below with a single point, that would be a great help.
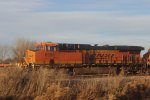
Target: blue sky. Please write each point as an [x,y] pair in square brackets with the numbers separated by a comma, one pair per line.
[114,22]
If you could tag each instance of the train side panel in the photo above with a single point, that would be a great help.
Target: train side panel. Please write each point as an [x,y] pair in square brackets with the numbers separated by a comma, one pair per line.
[106,56]
[117,57]
[72,57]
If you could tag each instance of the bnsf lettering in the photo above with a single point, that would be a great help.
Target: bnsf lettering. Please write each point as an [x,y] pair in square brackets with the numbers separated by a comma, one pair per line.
[100,56]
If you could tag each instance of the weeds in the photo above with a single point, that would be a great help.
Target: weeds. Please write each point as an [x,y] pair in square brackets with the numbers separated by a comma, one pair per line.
[48,84]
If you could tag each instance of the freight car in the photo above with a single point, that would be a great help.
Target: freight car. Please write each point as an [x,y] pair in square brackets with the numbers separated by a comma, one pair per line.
[5,65]
[71,56]
[146,58]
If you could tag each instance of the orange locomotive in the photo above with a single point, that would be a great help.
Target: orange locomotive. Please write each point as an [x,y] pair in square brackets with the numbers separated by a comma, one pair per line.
[82,55]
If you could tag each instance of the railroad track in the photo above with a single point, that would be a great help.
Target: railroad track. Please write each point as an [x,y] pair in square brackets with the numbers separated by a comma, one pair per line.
[105,75]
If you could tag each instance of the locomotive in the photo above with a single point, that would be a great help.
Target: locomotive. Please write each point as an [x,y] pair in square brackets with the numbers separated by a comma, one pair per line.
[72,56]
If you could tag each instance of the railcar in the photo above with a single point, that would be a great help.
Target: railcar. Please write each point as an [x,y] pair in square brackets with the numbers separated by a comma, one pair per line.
[64,55]
[146,58]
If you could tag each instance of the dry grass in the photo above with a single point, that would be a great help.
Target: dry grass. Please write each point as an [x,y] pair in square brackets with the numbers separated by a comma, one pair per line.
[46,84]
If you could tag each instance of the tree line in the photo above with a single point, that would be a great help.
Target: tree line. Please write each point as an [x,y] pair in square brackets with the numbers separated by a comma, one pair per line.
[16,51]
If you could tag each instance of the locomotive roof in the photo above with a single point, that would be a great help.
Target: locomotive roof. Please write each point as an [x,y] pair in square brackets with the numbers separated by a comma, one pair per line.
[128,48]
[73,44]
[105,47]
[68,46]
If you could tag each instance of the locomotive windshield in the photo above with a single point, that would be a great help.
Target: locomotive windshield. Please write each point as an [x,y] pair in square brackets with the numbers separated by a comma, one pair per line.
[47,48]
[39,48]
[50,48]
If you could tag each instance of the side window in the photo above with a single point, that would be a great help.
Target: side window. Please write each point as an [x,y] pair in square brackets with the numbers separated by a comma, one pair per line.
[53,48]
[49,48]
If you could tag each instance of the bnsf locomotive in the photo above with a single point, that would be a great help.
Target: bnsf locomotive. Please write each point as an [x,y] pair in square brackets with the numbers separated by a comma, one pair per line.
[70,56]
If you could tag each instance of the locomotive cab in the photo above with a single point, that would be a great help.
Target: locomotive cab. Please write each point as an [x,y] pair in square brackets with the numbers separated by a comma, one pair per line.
[42,55]
[45,53]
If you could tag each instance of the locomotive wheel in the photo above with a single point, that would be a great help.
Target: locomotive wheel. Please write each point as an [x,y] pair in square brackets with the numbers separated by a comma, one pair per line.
[71,71]
[31,66]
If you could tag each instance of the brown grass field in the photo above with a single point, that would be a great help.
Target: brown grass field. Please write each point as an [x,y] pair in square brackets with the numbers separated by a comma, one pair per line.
[48,84]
